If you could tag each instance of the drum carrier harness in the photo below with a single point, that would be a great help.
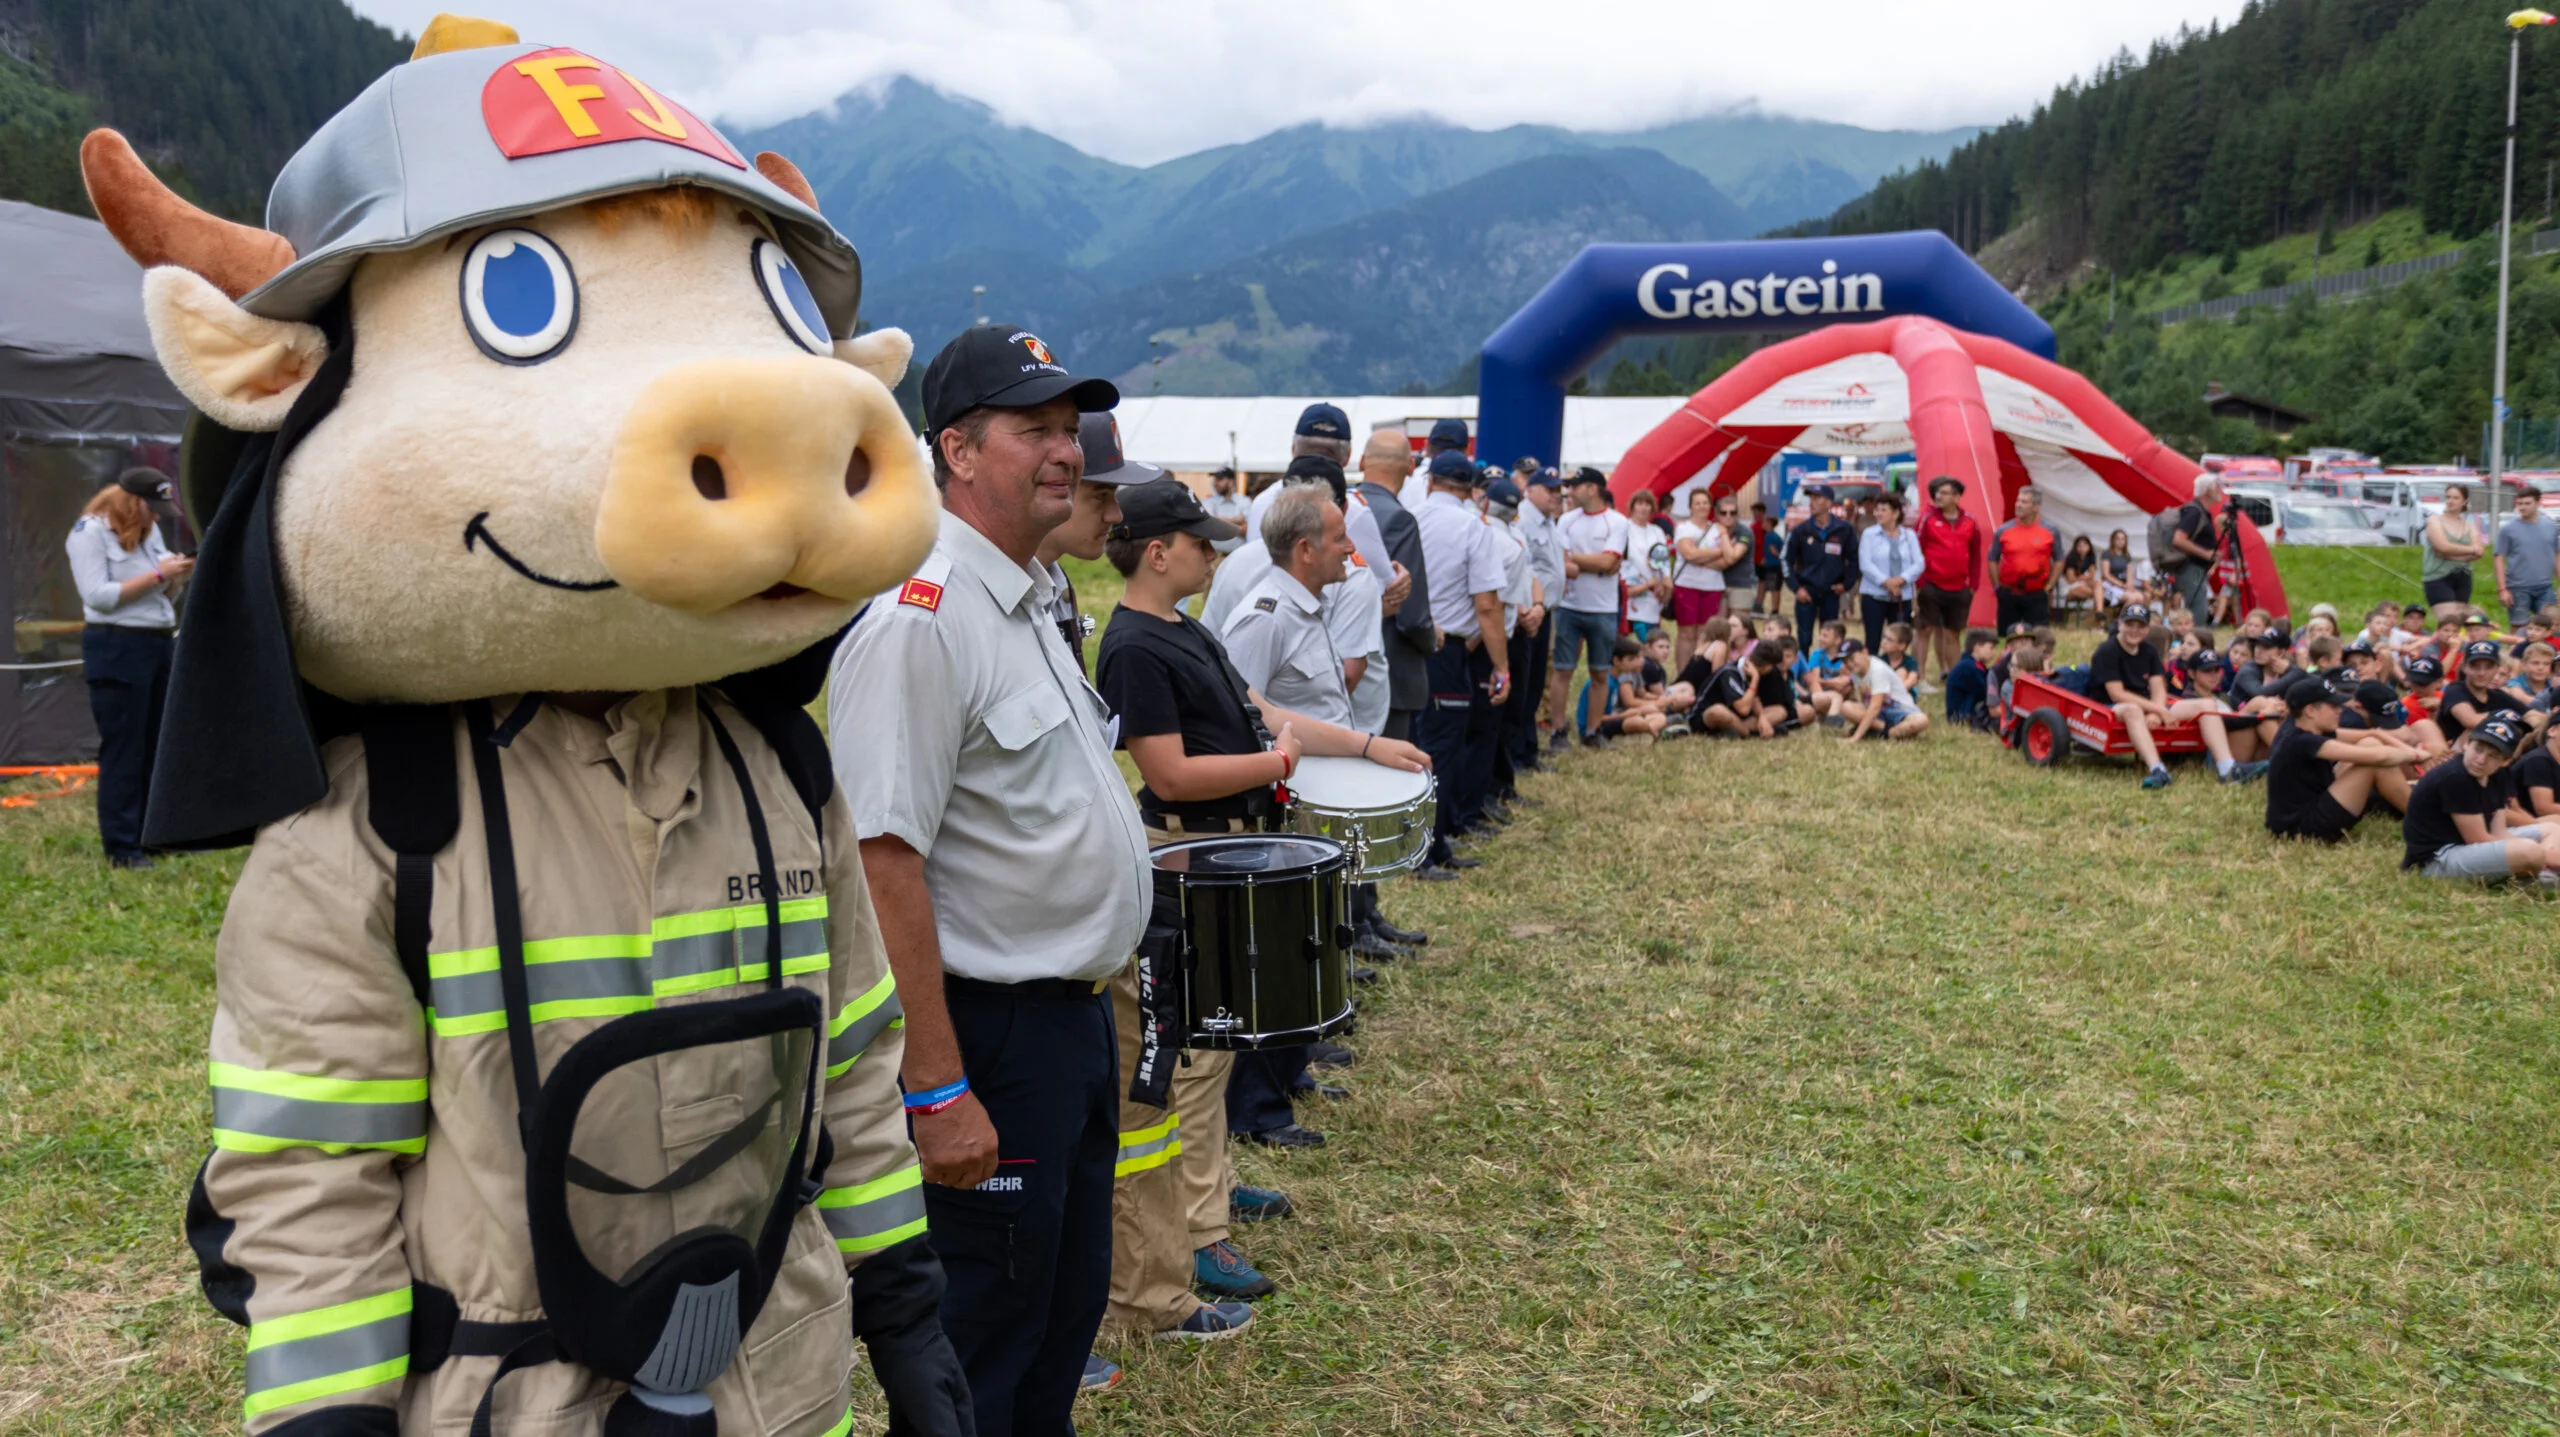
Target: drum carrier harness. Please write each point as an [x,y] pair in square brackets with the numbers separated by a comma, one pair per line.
[672,1321]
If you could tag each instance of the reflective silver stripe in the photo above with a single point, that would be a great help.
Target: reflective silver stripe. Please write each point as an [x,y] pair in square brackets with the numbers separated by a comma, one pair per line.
[303,1121]
[469,994]
[694,953]
[848,1045]
[881,1214]
[309,1359]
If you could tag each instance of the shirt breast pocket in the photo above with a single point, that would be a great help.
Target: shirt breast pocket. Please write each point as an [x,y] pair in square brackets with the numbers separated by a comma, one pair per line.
[1038,773]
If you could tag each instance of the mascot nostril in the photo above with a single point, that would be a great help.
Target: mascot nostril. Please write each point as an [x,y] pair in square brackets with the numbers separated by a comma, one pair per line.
[448,965]
[707,478]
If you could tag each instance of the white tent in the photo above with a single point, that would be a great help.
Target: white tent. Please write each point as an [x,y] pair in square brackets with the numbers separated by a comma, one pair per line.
[1198,434]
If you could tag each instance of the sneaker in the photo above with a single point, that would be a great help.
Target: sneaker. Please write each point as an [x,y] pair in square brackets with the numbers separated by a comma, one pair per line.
[1210,1323]
[1221,1274]
[2157,778]
[1594,741]
[1101,1374]
[2245,773]
[1253,1204]
[1561,742]
[1675,731]
[1924,687]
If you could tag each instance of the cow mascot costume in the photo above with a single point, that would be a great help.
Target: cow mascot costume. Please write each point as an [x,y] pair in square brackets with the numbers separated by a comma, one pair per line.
[555,1052]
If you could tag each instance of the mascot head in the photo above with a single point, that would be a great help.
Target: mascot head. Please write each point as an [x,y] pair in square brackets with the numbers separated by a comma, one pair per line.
[530,383]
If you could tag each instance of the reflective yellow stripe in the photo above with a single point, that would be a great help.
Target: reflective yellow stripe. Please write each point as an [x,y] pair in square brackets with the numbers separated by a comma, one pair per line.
[699,954]
[1147,1148]
[843,1425]
[320,1321]
[541,950]
[317,1090]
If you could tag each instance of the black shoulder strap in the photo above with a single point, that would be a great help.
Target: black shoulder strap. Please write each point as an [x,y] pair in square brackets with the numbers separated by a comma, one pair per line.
[414,801]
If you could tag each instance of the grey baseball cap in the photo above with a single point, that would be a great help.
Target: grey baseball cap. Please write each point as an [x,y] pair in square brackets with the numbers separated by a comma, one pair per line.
[452,141]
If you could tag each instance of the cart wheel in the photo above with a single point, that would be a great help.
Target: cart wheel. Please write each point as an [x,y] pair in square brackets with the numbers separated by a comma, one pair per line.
[2046,740]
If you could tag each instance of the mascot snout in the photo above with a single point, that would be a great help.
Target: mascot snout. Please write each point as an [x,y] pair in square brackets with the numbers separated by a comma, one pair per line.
[735,478]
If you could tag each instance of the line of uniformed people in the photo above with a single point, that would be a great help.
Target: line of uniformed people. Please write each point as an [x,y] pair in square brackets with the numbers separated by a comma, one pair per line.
[1072,1179]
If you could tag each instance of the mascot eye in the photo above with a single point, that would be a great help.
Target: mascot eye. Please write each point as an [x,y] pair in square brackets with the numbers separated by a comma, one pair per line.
[789,295]
[518,297]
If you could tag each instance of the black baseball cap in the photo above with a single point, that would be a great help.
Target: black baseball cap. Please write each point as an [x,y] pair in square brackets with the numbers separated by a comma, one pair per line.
[2425,671]
[1450,432]
[2302,694]
[1547,478]
[2499,732]
[2479,649]
[1006,367]
[2205,659]
[1315,468]
[1449,465]
[143,482]
[1099,434]
[1587,475]
[1324,421]
[1817,491]
[1501,493]
[2376,696]
[2135,614]
[2020,631]
[1158,507]
[2475,617]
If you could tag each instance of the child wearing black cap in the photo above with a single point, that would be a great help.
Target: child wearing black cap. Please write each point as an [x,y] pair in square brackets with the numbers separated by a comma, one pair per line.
[2319,781]
[2533,783]
[2457,825]
[2475,695]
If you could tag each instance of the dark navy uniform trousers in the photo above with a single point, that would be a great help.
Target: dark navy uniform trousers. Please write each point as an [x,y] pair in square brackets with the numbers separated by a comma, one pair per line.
[1026,1255]
[127,670]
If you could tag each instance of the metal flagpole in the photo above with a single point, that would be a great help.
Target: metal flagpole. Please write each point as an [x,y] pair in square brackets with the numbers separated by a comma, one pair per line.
[2516,25]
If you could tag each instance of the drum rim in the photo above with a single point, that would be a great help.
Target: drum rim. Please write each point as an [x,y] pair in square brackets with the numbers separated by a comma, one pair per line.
[1338,859]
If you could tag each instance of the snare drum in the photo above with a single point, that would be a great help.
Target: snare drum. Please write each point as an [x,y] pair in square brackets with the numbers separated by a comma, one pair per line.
[1264,929]
[1383,815]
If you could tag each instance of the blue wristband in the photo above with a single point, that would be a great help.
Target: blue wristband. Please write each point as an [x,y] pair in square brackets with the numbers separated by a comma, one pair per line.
[938,1096]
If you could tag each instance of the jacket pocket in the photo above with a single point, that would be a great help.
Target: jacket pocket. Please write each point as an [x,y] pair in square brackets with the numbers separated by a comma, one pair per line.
[1039,776]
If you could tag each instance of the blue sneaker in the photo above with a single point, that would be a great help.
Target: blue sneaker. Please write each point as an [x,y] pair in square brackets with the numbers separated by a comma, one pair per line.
[1220,1273]
[1101,1374]
[1252,1204]
[1211,1322]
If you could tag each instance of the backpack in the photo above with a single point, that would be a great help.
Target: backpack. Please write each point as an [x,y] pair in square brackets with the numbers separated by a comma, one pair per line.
[2162,535]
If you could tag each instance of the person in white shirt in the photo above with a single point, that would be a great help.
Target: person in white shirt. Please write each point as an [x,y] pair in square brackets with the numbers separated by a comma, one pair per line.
[1471,673]
[1447,436]
[1646,576]
[1882,702]
[124,575]
[1888,570]
[1700,552]
[1595,539]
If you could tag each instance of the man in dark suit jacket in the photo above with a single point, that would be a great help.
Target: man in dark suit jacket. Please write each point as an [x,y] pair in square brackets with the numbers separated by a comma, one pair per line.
[1410,635]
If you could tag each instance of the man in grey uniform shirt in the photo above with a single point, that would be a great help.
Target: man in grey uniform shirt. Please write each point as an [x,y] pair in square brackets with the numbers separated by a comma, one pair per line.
[977,763]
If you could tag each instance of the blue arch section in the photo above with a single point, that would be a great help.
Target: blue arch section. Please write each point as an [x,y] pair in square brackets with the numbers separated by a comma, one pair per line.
[1611,291]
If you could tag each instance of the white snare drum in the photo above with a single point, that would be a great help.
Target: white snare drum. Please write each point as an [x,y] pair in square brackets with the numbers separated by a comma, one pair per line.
[1383,815]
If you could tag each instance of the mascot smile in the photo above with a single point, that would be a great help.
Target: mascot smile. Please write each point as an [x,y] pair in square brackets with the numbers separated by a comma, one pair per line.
[554,1057]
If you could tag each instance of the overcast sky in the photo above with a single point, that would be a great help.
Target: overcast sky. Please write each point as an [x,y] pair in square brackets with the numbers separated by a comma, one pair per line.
[1145,80]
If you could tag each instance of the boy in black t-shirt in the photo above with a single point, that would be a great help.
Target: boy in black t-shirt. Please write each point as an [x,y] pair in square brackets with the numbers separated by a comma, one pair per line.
[2127,672]
[1197,734]
[2475,695]
[2319,781]
[2533,783]
[1733,703]
[2457,824]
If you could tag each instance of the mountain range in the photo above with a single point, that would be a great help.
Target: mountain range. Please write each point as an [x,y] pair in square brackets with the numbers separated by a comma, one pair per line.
[1310,259]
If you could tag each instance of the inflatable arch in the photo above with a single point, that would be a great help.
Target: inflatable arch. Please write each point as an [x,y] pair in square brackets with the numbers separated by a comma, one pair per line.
[1610,291]
[1980,409]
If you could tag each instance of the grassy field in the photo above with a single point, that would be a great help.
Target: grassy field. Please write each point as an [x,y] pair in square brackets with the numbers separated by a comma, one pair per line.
[1783,1088]
[2357,579]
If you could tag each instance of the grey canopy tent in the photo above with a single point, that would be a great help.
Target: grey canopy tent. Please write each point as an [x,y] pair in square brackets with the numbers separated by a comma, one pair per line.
[81,399]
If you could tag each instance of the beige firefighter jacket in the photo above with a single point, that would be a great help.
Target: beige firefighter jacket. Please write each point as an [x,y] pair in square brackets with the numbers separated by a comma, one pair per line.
[366,1147]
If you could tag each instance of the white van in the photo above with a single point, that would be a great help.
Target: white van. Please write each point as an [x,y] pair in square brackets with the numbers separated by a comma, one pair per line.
[2405,502]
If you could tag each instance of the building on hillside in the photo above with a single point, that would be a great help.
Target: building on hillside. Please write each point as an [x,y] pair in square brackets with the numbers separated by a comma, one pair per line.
[2277,419]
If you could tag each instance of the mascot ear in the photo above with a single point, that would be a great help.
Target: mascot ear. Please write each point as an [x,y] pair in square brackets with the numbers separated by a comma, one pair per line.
[244,372]
[880,353]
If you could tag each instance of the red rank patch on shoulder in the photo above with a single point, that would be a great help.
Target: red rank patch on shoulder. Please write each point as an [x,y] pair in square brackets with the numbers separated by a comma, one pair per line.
[923,593]
[563,99]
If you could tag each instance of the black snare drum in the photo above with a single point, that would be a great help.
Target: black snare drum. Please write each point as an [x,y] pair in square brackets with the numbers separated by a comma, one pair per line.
[1264,928]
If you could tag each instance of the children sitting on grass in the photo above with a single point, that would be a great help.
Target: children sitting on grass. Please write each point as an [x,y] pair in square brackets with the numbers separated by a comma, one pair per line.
[2533,782]
[1624,711]
[1732,703]
[2457,827]
[2320,781]
[1968,687]
[2537,630]
[1819,675]
[2475,694]
[1880,702]
[2532,683]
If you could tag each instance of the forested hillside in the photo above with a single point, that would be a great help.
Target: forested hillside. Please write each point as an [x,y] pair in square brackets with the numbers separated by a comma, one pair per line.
[215,93]
[2302,112]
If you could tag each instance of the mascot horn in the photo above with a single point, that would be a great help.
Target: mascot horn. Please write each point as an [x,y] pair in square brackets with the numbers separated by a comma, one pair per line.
[555,1054]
